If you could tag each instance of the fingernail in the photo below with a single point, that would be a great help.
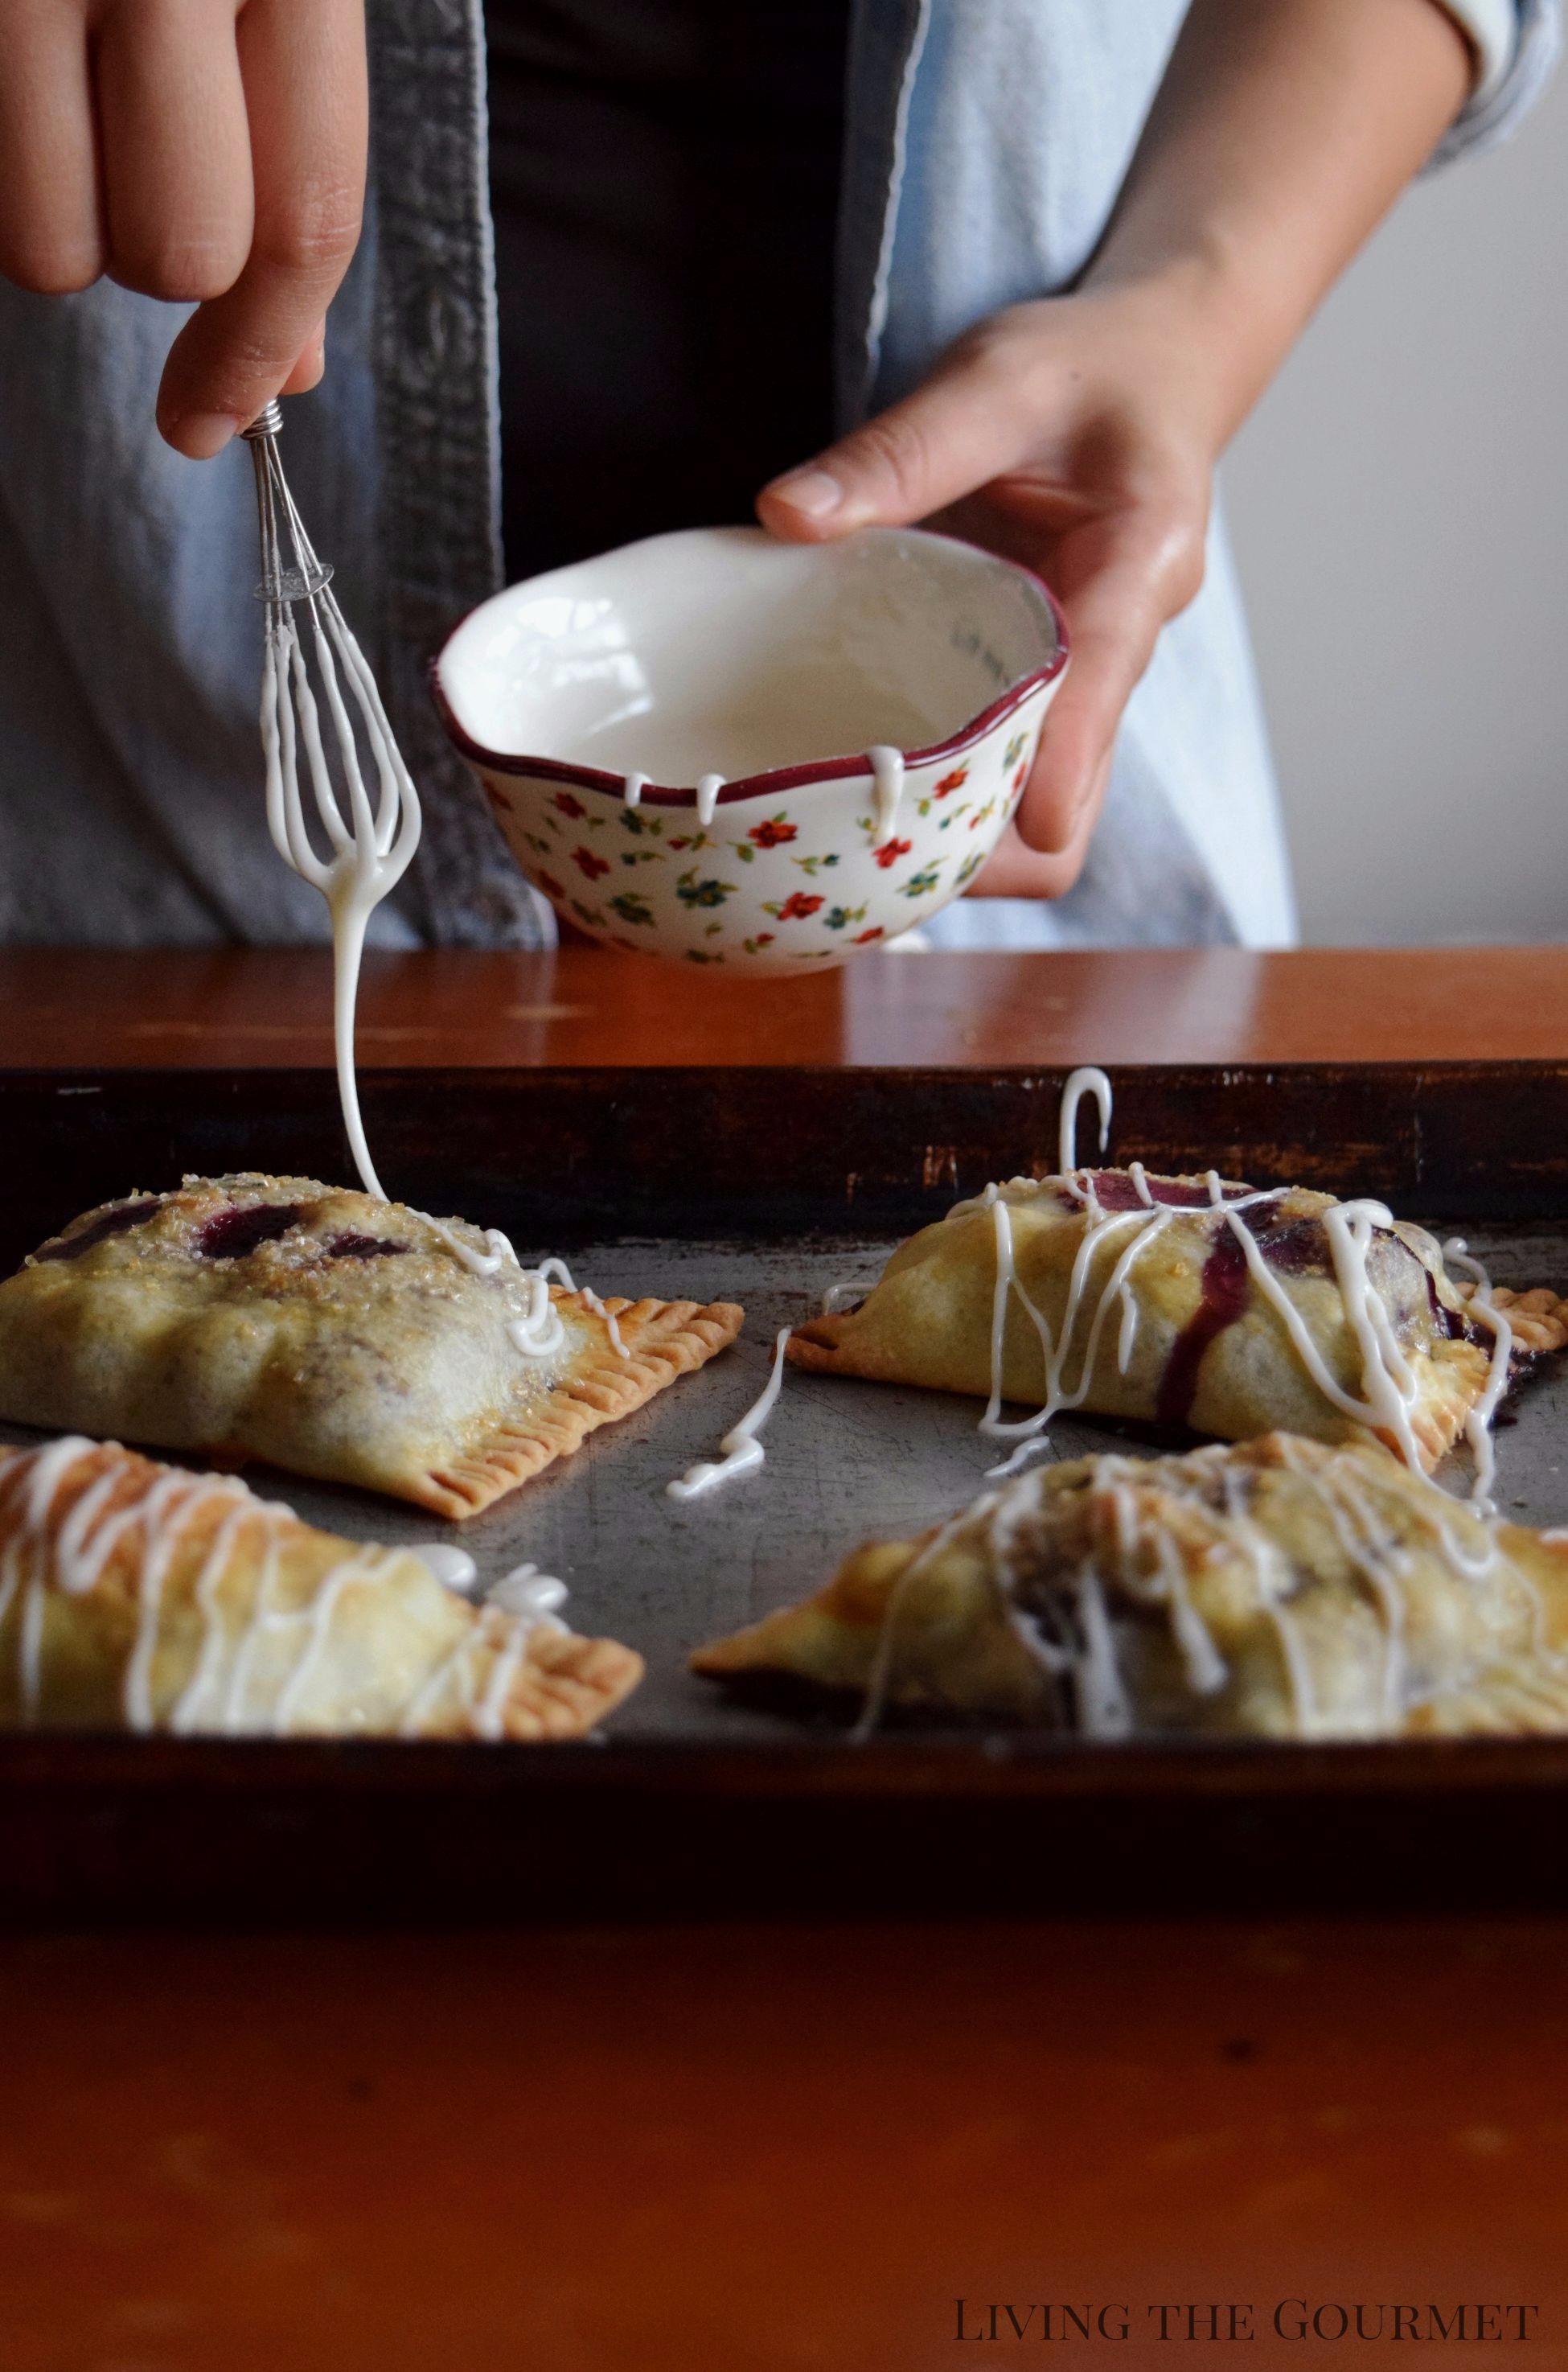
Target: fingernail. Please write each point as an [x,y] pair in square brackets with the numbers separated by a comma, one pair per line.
[811,492]
[200,434]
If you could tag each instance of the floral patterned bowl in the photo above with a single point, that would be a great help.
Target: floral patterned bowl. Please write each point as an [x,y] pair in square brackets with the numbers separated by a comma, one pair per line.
[731,750]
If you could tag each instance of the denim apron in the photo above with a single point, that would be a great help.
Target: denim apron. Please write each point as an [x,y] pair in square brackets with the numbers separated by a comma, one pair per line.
[986,142]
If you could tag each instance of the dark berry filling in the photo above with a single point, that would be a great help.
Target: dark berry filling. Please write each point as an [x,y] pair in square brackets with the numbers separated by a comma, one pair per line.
[235,1232]
[1115,1191]
[1450,1323]
[117,1222]
[1222,1301]
[352,1247]
[1295,1248]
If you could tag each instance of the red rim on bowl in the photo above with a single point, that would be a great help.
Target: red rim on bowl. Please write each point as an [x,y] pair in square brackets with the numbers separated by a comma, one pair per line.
[772,778]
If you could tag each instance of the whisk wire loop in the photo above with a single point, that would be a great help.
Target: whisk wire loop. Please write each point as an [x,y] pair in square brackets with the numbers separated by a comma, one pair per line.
[372,845]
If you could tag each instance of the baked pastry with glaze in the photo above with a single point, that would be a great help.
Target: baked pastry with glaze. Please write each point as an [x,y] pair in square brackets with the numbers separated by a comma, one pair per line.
[1192,1301]
[135,1595]
[332,1334]
[1285,1588]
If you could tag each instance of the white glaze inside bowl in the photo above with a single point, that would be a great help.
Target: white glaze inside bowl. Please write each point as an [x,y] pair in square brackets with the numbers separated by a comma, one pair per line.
[722,651]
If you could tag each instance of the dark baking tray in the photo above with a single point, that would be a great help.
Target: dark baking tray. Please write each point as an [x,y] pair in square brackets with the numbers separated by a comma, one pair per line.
[761,1184]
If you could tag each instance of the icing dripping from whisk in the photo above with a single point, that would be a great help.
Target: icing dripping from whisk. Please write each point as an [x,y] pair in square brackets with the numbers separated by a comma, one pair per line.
[372,848]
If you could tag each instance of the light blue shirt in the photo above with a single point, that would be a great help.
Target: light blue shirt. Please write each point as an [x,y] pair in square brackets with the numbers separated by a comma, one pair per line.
[986,142]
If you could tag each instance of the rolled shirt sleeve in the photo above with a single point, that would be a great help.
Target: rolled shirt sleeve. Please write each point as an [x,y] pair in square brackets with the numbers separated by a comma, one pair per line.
[1516,44]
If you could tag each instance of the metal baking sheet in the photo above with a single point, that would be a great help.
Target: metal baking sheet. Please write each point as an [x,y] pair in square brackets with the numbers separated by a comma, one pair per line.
[765,1187]
[846,1461]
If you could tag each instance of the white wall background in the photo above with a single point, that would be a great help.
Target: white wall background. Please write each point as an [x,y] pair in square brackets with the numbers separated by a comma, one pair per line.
[1399,505]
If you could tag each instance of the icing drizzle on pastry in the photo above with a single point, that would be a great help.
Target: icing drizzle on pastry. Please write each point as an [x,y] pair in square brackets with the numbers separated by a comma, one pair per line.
[1389,1391]
[370,854]
[250,1679]
[1478,1424]
[1068,1626]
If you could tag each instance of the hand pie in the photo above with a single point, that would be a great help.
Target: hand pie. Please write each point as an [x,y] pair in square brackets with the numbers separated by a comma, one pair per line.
[335,1335]
[145,1597]
[1281,1589]
[1186,1301]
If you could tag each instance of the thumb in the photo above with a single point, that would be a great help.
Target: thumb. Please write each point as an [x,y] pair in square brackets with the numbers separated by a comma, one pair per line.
[310,366]
[956,433]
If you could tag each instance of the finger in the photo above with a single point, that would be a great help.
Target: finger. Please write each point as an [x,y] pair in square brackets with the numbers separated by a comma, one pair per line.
[966,426]
[49,237]
[176,147]
[1119,581]
[312,363]
[1015,870]
[304,88]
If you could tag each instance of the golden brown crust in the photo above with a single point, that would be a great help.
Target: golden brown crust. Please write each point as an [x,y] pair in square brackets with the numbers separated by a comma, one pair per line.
[565,1686]
[327,1333]
[179,1601]
[1540,1319]
[1211,1350]
[1283,1587]
[663,1339]
[153,1598]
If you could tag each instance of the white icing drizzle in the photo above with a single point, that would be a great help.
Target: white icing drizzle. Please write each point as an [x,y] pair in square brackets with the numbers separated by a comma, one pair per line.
[708,789]
[740,1452]
[540,1334]
[1389,1391]
[1088,1081]
[1273,1579]
[882,1657]
[1103,1709]
[632,788]
[452,1567]
[209,1660]
[1071,1630]
[1096,1695]
[1478,1424]
[612,1326]
[30,1649]
[1387,1379]
[315,1620]
[223,1693]
[530,1599]
[887,788]
[523,1603]
[1370,1553]
[1027,1430]
[525,1591]
[370,854]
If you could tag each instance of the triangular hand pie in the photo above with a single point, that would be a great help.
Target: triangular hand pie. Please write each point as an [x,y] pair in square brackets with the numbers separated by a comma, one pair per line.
[332,1334]
[1281,1589]
[142,1595]
[1186,1301]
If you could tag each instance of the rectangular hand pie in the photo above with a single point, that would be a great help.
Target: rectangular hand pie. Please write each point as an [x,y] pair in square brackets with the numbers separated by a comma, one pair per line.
[332,1334]
[1284,1589]
[1189,1301]
[133,1595]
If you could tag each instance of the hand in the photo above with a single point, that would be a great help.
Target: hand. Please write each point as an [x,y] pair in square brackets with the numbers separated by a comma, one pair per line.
[191,149]
[1075,434]
[1078,433]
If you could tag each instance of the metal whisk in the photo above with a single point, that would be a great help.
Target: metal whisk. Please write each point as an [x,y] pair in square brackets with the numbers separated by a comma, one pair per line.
[372,849]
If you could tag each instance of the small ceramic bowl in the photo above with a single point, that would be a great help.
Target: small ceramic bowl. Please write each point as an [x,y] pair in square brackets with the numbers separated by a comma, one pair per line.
[694,746]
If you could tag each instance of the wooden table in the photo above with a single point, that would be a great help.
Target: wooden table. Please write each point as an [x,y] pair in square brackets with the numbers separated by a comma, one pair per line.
[692,2149]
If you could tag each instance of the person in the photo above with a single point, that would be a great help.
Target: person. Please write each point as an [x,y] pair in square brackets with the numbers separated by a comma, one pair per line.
[1013,269]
